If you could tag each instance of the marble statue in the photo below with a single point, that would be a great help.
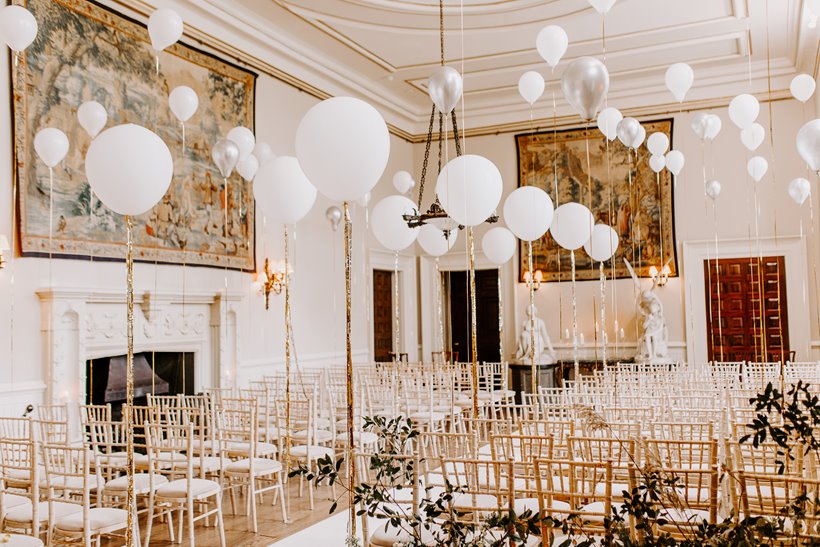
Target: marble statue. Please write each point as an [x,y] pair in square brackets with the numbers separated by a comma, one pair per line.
[544,353]
[653,336]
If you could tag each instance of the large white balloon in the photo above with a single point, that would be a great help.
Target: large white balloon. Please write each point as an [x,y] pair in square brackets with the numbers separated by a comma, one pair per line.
[129,168]
[799,190]
[263,152]
[802,87]
[657,163]
[757,167]
[343,145]
[51,145]
[283,191]
[498,245]
[183,102]
[658,143]
[602,243]
[531,86]
[243,138]
[572,225]
[165,28]
[675,161]
[433,241]
[679,78]
[608,121]
[92,117]
[602,6]
[552,42]
[528,212]
[743,110]
[248,168]
[389,226]
[403,182]
[808,144]
[469,188]
[752,136]
[18,27]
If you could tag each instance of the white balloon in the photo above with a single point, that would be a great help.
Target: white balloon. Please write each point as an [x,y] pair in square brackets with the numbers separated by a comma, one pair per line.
[572,225]
[706,126]
[743,110]
[283,191]
[675,161]
[679,78]
[183,102]
[814,7]
[752,136]
[528,212]
[51,145]
[799,190]
[757,167]
[602,244]
[469,188]
[18,27]
[403,182]
[602,6]
[531,86]
[712,189]
[343,145]
[129,168]
[552,42]
[389,226]
[433,241]
[92,117]
[802,87]
[713,126]
[498,245]
[248,168]
[657,163]
[262,152]
[608,121]
[657,143]
[165,28]
[243,138]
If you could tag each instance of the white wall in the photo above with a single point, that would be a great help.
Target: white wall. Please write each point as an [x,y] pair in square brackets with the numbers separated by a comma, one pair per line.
[726,161]
[317,293]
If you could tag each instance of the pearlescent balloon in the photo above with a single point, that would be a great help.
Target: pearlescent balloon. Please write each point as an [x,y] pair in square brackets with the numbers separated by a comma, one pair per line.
[712,189]
[658,143]
[334,215]
[631,133]
[225,154]
[743,110]
[808,144]
[51,145]
[585,84]
[608,121]
[444,87]
[802,87]
[799,190]
[706,126]
[531,86]
[183,102]
[18,27]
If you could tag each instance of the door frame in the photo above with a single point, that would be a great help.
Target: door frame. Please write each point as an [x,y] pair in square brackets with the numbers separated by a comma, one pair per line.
[408,301]
[792,248]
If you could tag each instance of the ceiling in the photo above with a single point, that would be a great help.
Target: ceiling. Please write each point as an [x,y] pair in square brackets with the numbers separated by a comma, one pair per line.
[384,50]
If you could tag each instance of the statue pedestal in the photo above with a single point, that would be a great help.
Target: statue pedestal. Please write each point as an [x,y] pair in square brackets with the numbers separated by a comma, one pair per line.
[521,372]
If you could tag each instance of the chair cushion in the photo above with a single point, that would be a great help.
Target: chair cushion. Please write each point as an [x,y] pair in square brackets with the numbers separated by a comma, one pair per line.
[142,483]
[23,513]
[316,452]
[99,518]
[210,464]
[15,500]
[19,540]
[243,448]
[320,436]
[178,489]
[261,466]
[684,515]
[476,501]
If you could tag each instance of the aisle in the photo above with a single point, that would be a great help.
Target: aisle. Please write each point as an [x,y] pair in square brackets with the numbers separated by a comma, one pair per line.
[330,532]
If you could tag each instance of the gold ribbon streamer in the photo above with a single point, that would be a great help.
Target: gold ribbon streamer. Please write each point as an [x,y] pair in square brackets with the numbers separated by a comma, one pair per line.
[533,368]
[288,329]
[129,397]
[351,468]
[577,369]
[473,325]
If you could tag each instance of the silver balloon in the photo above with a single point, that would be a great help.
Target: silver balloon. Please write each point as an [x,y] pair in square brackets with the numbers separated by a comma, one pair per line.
[706,126]
[585,83]
[712,189]
[334,215]
[808,144]
[444,87]
[629,132]
[799,190]
[225,154]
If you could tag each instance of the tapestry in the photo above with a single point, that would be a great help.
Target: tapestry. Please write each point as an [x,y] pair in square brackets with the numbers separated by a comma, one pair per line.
[618,187]
[86,52]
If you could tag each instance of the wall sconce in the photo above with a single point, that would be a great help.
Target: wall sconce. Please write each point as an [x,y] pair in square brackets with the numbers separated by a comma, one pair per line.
[660,278]
[538,277]
[273,281]
[4,246]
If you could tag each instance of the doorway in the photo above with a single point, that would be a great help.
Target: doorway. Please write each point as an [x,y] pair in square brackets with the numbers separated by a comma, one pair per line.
[457,296]
[740,324]
[382,315]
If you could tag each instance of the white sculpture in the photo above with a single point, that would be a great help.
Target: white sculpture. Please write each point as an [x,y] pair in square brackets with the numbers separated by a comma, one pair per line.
[544,353]
[653,336]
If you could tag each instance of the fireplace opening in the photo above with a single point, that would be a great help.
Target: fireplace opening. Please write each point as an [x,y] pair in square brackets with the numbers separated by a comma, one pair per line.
[157,373]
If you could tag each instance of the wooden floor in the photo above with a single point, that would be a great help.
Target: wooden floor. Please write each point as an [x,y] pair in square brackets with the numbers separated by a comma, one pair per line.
[237,534]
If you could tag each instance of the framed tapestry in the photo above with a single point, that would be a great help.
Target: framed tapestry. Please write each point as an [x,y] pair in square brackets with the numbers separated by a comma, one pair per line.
[619,188]
[87,52]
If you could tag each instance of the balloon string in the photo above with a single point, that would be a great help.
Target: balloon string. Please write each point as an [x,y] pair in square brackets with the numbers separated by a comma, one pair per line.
[531,287]
[183,139]
[50,224]
[397,349]
[157,63]
[603,313]
[717,275]
[660,214]
[227,254]
[555,184]
[574,322]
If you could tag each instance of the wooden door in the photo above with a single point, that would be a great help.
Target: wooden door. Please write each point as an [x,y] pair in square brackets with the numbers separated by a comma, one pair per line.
[740,325]
[382,315]
[458,298]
